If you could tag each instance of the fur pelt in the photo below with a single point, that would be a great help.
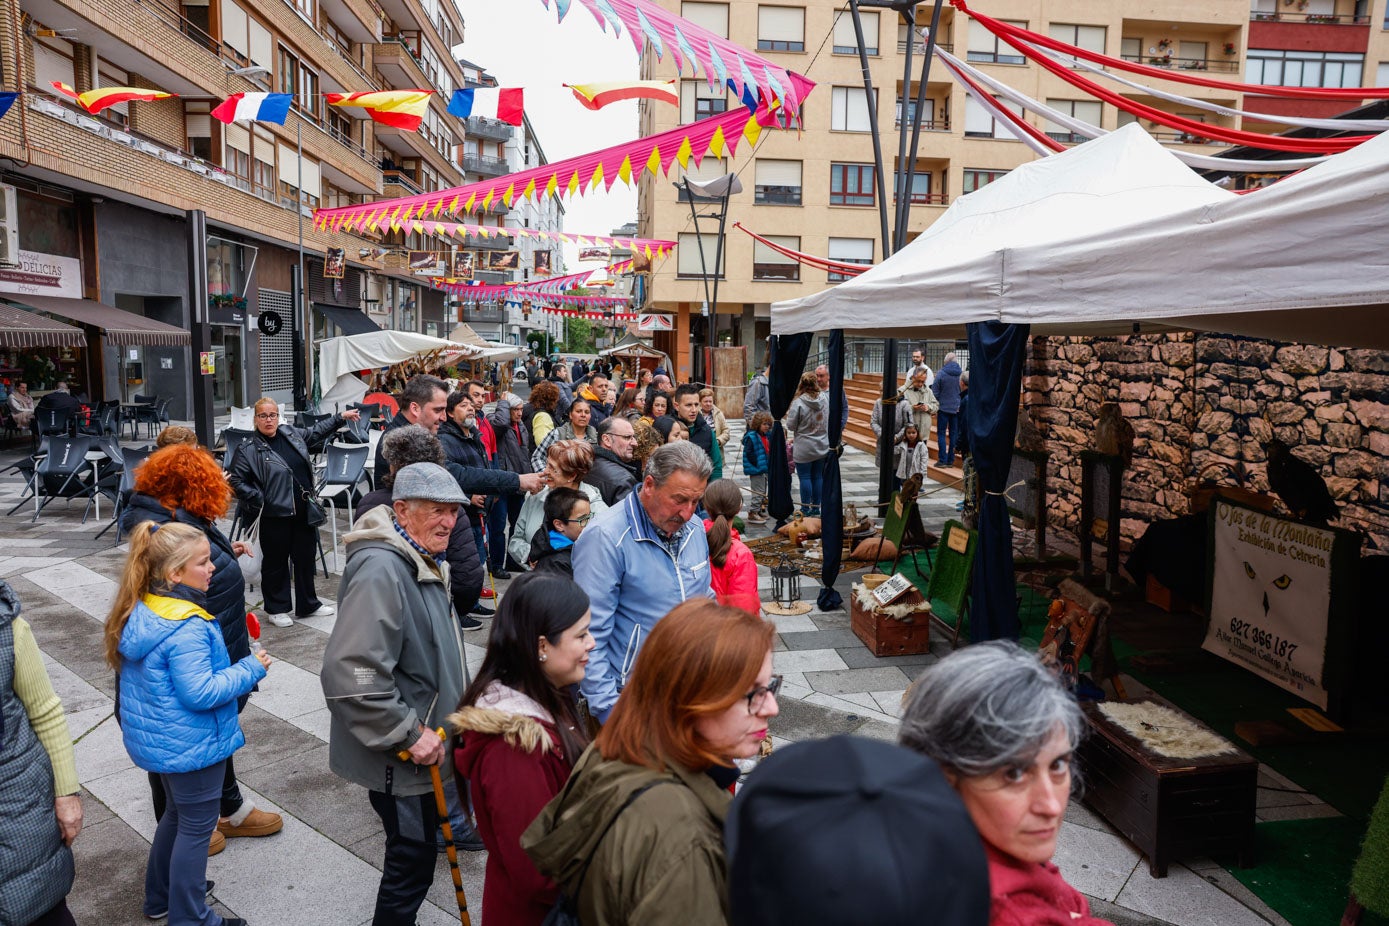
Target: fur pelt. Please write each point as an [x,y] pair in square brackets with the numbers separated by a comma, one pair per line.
[898,611]
[1165,731]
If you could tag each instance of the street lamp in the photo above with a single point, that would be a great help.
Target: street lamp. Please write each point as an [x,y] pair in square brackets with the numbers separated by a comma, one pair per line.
[715,191]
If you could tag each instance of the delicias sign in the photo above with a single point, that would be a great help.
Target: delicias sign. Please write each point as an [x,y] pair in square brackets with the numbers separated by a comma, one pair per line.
[1281,599]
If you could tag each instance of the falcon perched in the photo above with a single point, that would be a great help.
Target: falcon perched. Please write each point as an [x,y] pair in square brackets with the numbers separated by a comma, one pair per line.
[1299,485]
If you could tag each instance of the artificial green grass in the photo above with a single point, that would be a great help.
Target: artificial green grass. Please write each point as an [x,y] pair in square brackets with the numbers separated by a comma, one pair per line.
[1302,869]
[1370,879]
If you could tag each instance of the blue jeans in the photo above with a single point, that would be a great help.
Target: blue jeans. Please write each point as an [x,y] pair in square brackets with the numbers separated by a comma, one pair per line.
[176,876]
[812,476]
[947,423]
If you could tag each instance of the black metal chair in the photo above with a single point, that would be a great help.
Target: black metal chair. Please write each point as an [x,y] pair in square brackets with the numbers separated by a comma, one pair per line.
[232,438]
[119,484]
[53,422]
[343,471]
[132,415]
[26,468]
[154,416]
[62,471]
[105,419]
[357,431]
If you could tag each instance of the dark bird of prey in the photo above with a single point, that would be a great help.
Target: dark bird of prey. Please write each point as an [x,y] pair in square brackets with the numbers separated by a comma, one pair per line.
[1299,485]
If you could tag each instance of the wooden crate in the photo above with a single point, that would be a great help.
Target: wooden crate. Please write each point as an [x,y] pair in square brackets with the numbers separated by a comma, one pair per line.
[1169,808]
[889,636]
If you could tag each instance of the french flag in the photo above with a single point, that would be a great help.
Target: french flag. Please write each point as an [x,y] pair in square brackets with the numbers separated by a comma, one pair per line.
[506,105]
[261,107]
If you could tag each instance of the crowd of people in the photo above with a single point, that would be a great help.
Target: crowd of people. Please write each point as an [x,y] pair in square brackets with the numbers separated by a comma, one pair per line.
[627,672]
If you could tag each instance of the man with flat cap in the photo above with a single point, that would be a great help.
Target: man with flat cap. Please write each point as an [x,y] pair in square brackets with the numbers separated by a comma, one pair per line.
[393,670]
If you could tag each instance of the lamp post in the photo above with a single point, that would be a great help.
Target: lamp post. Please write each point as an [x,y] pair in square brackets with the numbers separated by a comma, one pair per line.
[716,191]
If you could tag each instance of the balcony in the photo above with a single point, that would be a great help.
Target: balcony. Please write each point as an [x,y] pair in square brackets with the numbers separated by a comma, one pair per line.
[920,48]
[396,183]
[1219,65]
[928,125]
[482,127]
[489,313]
[492,167]
[1333,19]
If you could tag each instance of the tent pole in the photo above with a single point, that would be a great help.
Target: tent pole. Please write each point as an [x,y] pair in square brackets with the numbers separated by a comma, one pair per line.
[900,177]
[904,202]
[872,122]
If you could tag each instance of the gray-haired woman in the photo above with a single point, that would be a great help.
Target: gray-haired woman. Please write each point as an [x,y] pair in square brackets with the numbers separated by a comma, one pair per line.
[1003,729]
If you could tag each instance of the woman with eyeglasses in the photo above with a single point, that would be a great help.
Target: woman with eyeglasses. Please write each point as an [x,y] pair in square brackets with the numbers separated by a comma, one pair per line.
[637,833]
[273,477]
[567,463]
[567,513]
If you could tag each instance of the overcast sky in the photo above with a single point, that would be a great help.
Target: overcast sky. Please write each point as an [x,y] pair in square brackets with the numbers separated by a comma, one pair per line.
[520,43]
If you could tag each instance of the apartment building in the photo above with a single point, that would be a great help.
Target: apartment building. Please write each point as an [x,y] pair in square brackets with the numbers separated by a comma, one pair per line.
[816,191]
[104,200]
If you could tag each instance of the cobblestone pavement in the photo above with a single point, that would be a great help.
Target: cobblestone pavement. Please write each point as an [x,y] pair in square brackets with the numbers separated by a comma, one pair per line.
[324,867]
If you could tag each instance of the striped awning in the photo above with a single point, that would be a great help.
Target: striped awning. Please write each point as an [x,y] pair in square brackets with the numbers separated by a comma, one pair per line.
[19,328]
[119,326]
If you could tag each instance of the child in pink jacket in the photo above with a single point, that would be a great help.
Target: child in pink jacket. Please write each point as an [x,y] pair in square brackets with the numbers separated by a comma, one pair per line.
[732,570]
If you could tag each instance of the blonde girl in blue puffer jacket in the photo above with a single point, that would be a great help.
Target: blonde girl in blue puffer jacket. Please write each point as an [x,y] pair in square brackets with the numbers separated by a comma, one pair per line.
[178,691]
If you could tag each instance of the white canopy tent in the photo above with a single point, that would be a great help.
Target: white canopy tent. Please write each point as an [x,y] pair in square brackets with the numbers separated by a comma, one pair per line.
[338,357]
[1116,236]
[493,351]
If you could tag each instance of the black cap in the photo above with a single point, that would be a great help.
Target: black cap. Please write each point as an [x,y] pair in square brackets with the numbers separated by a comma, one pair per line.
[853,831]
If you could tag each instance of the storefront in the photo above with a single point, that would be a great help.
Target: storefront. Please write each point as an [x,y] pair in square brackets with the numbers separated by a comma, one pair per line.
[33,349]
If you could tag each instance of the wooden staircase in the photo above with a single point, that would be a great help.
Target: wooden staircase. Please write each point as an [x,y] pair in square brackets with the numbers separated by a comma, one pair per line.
[861,391]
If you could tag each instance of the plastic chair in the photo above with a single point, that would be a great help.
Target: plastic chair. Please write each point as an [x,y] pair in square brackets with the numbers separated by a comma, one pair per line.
[232,438]
[119,487]
[359,431]
[53,422]
[243,419]
[27,468]
[132,415]
[343,471]
[60,473]
[106,419]
[153,417]
[950,579]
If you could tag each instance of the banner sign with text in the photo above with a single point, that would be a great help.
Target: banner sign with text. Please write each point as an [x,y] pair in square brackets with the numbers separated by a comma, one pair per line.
[1271,597]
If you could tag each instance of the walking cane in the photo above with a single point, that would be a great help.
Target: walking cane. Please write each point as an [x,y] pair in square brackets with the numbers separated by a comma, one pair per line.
[443,808]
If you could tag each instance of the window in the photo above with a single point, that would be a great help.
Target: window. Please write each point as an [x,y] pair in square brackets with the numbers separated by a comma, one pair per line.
[778,183]
[1131,49]
[846,42]
[687,250]
[780,28]
[236,156]
[307,7]
[852,185]
[1382,74]
[976,178]
[1091,111]
[849,110]
[52,63]
[768,264]
[850,251]
[289,178]
[108,75]
[244,35]
[263,164]
[710,168]
[712,16]
[293,76]
[342,127]
[1090,38]
[985,46]
[198,124]
[1304,68]
[928,110]
[697,101]
[980,123]
[918,189]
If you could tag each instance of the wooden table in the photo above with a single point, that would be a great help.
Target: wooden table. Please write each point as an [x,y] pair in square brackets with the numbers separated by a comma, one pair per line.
[1169,808]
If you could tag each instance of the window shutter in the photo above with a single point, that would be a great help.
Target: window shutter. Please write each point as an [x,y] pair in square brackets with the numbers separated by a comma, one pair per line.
[712,16]
[778,173]
[844,31]
[708,170]
[687,254]
[289,166]
[781,23]
[50,66]
[262,50]
[978,120]
[234,27]
[237,137]
[851,249]
[761,254]
[265,146]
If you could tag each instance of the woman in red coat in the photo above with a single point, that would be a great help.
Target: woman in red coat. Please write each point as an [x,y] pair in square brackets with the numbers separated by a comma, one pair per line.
[732,570]
[519,731]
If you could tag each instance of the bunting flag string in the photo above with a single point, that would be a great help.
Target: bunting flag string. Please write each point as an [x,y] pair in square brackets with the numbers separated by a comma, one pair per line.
[94,101]
[695,48]
[1171,120]
[718,135]
[592,316]
[649,247]
[401,109]
[1008,31]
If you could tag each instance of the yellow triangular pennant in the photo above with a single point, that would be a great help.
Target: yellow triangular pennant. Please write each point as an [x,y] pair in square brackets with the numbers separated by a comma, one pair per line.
[716,143]
[624,171]
[653,163]
[683,155]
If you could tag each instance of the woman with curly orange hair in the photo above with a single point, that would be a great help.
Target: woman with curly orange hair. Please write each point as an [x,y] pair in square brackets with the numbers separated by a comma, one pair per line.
[183,483]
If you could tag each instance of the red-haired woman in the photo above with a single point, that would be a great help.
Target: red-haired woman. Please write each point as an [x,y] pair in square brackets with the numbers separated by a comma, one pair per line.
[183,483]
[637,833]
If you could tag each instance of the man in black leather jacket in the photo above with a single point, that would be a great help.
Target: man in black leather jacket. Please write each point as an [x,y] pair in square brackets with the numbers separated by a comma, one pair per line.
[613,473]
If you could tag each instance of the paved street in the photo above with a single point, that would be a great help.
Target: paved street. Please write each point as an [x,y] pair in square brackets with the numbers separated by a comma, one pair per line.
[324,867]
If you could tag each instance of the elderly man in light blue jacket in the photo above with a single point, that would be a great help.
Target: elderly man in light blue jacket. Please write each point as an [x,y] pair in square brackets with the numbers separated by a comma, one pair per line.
[638,560]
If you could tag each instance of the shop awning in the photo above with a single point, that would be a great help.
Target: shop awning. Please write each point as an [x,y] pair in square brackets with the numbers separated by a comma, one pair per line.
[119,326]
[349,320]
[19,328]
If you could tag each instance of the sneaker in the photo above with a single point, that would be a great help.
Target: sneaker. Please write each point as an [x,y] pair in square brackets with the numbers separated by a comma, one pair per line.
[165,912]
[500,574]
[323,610]
[256,823]
[281,620]
[470,623]
[481,610]
[488,593]
[757,517]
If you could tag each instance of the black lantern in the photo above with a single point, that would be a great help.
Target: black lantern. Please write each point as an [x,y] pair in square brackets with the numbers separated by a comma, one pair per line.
[786,583]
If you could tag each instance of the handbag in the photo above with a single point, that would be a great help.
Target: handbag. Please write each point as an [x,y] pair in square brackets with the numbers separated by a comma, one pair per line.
[314,513]
[250,563]
[565,912]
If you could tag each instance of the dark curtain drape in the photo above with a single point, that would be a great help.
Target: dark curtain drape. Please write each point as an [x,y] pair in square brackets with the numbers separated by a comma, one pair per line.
[786,357]
[996,354]
[831,504]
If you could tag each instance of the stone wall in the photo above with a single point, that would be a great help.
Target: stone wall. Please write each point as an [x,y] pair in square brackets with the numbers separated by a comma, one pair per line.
[1202,406]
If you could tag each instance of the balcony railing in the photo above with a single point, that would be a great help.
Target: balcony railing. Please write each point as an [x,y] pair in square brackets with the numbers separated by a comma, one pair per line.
[1221,65]
[921,47]
[1339,19]
[927,199]
[489,243]
[1184,138]
[929,125]
[482,127]
[405,182]
[476,163]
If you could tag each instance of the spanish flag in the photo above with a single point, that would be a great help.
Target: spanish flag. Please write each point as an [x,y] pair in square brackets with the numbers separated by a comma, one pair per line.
[401,109]
[94,101]
[596,96]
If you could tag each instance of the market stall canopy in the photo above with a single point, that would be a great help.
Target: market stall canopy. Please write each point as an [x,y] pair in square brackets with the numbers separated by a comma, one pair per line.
[371,351]
[119,326]
[632,349]
[493,351]
[1116,236]
[19,328]
[348,319]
